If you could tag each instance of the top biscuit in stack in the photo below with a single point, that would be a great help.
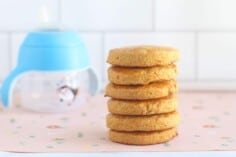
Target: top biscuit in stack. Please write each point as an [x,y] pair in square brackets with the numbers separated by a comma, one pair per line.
[143,56]
[141,65]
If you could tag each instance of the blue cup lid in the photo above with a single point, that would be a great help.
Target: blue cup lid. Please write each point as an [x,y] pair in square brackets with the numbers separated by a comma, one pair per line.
[47,51]
[57,50]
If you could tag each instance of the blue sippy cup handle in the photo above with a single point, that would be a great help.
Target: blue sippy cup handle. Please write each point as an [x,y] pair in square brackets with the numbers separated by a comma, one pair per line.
[6,89]
[93,81]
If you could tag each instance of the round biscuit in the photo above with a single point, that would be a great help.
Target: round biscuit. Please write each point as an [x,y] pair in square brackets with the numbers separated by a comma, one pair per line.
[142,92]
[141,137]
[141,76]
[143,123]
[143,107]
[143,56]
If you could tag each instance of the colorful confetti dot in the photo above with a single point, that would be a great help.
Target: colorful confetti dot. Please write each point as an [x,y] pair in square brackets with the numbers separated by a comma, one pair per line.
[209,126]
[64,119]
[102,117]
[54,127]
[50,147]
[83,114]
[95,145]
[197,107]
[14,132]
[224,145]
[22,143]
[18,127]
[226,113]
[12,120]
[214,118]
[17,105]
[59,140]
[80,135]
[231,141]
[92,123]
[166,144]
[199,101]
[225,137]
[103,138]
[219,97]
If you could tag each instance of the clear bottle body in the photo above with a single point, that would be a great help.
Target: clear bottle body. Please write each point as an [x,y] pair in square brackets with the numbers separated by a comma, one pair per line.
[53,91]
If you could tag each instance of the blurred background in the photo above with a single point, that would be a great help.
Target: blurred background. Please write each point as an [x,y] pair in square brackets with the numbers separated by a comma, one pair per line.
[203,30]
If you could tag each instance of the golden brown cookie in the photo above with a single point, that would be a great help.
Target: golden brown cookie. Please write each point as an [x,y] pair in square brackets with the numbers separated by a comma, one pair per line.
[141,76]
[142,137]
[143,56]
[143,123]
[143,107]
[142,92]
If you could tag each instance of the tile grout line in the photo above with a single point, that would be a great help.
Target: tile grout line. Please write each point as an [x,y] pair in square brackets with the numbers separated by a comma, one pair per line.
[196,55]
[199,30]
[209,80]
[14,31]
[153,15]
[59,12]
[104,60]
[134,31]
[10,55]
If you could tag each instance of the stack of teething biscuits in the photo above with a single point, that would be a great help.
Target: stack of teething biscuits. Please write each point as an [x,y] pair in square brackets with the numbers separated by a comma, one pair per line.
[143,104]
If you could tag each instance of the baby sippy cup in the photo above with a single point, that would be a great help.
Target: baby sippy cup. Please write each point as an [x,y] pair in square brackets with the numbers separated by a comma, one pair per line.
[53,73]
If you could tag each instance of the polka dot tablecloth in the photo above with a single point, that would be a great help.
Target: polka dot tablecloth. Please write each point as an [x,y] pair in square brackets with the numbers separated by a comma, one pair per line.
[208,123]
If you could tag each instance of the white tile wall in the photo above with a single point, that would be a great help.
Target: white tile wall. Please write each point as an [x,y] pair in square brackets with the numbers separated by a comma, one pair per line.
[24,14]
[195,14]
[107,14]
[4,55]
[203,30]
[217,56]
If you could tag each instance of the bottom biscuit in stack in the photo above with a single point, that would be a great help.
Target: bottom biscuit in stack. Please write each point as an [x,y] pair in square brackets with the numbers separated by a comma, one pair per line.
[142,137]
[143,130]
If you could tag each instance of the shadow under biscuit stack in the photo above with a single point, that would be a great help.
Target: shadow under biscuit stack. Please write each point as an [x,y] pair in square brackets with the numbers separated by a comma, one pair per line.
[143,104]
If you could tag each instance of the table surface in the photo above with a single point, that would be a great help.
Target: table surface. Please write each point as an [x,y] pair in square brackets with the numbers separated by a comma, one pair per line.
[124,154]
[207,124]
